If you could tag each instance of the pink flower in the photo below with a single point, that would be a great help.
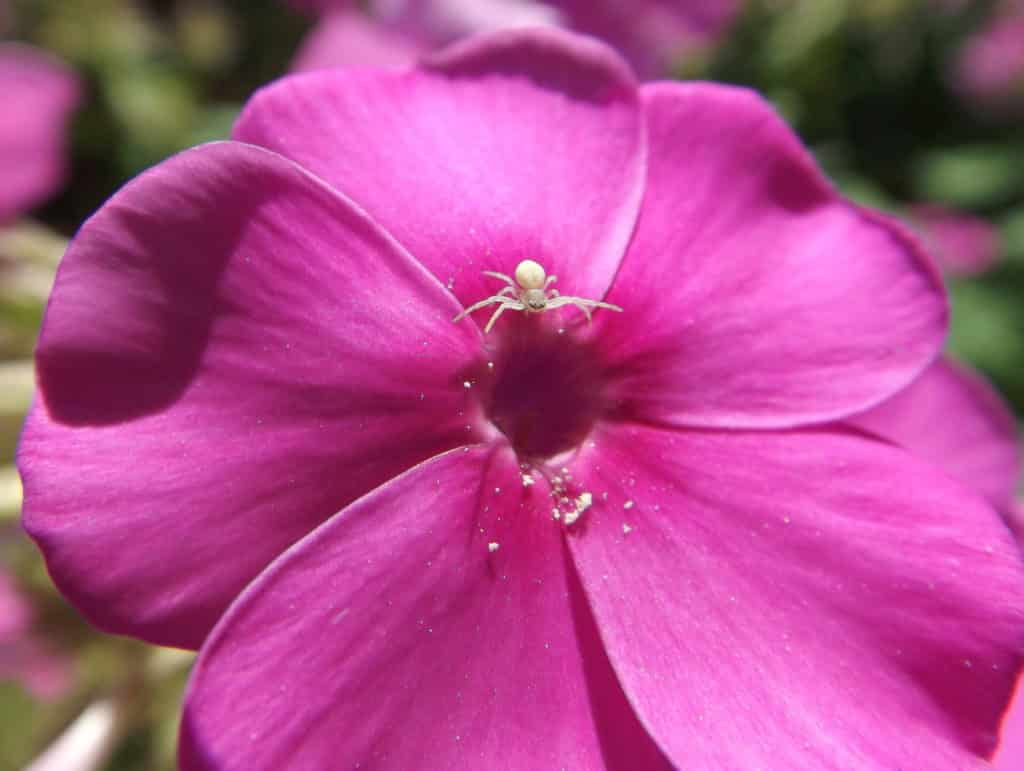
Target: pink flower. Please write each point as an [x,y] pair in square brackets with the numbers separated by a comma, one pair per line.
[346,38]
[24,657]
[39,95]
[962,243]
[989,70]
[249,359]
[651,34]
[15,613]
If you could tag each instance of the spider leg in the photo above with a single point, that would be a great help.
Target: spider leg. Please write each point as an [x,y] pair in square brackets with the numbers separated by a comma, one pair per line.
[550,281]
[558,302]
[494,274]
[513,304]
[602,304]
[582,303]
[477,306]
[579,301]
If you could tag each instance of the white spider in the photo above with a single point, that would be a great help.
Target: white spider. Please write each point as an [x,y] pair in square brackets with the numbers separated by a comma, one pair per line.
[529,292]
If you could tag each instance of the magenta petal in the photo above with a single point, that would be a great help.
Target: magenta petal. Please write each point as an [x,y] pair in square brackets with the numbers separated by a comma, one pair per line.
[800,600]
[394,638]
[520,144]
[754,296]
[344,37]
[953,418]
[232,353]
[39,94]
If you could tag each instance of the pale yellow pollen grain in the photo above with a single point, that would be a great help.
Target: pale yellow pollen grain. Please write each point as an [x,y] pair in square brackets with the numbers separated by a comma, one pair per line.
[583,502]
[493,546]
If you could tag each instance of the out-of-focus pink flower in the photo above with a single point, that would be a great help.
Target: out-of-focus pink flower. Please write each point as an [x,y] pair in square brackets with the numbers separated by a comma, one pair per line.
[23,656]
[39,95]
[438,22]
[652,34]
[625,544]
[15,613]
[963,244]
[953,418]
[989,70]
[347,38]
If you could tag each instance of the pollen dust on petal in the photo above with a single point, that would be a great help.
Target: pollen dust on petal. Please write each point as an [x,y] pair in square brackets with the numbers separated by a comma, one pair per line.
[583,502]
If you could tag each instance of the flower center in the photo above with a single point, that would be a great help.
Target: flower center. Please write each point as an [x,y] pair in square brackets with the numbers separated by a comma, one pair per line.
[549,387]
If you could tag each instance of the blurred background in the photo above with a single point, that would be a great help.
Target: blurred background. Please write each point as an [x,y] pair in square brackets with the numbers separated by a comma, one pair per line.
[912,106]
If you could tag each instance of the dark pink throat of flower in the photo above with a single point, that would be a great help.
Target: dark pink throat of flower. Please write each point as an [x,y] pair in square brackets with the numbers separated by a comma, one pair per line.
[547,387]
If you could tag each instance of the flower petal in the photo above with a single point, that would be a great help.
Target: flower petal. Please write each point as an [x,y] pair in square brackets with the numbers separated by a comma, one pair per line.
[806,600]
[232,353]
[515,145]
[39,94]
[393,634]
[754,296]
[953,418]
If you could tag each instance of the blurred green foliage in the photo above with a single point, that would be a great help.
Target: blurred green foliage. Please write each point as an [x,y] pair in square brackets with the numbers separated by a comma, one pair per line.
[866,84]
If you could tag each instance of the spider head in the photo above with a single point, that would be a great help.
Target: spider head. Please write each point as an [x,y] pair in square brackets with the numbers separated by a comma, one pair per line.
[535,300]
